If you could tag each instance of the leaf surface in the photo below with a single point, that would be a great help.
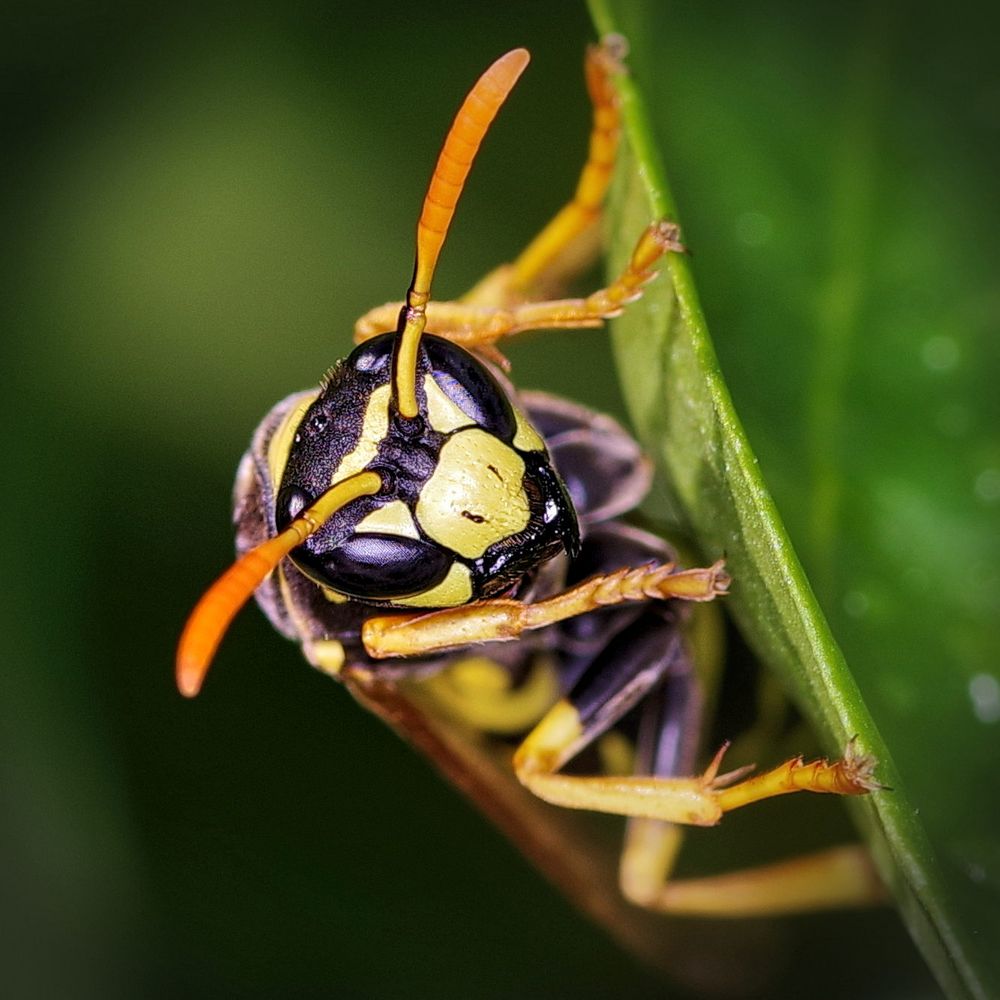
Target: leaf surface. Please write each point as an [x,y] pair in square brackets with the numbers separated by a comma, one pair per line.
[843,365]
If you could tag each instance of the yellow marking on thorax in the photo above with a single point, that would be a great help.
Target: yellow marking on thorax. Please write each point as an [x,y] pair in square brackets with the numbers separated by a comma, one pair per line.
[334,596]
[454,590]
[442,414]
[391,519]
[476,496]
[281,440]
[374,426]
[526,438]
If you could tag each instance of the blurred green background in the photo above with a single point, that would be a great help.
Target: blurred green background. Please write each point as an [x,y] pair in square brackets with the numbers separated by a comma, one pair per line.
[197,202]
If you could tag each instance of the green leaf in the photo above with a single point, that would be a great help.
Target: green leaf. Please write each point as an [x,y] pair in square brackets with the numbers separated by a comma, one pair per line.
[848,317]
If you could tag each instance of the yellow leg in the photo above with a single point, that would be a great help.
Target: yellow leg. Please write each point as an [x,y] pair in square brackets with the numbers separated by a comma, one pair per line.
[698,801]
[570,242]
[497,306]
[476,326]
[501,619]
[843,777]
[835,878]
[602,64]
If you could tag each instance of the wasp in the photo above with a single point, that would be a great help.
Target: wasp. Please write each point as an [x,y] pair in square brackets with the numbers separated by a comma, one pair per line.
[455,552]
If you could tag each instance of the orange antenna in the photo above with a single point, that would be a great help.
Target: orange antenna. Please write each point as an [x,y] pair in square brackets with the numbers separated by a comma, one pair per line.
[218,606]
[454,162]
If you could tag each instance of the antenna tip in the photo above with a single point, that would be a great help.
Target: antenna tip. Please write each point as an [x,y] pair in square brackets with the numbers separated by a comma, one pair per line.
[189,677]
[511,65]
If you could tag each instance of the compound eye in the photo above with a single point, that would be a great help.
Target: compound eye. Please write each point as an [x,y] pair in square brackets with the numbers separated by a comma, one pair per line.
[471,387]
[377,567]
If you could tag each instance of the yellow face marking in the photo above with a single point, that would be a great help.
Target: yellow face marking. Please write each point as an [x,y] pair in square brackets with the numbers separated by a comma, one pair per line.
[526,438]
[444,416]
[476,496]
[281,440]
[374,426]
[454,590]
[391,519]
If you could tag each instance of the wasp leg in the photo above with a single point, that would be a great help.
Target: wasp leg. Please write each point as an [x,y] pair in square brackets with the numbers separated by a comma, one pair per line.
[842,876]
[698,801]
[549,259]
[666,747]
[635,662]
[838,878]
[501,619]
[480,327]
[569,241]
[608,688]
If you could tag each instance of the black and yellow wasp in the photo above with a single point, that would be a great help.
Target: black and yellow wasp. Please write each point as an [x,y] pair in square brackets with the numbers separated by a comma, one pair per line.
[414,512]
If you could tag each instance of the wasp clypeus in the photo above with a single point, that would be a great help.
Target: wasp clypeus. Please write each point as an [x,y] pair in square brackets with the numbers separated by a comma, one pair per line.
[413,513]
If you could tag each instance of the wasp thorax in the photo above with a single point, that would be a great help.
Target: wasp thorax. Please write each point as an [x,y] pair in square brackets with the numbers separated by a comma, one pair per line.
[469,505]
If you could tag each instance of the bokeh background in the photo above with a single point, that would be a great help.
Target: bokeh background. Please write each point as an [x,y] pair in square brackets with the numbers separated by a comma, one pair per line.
[197,202]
